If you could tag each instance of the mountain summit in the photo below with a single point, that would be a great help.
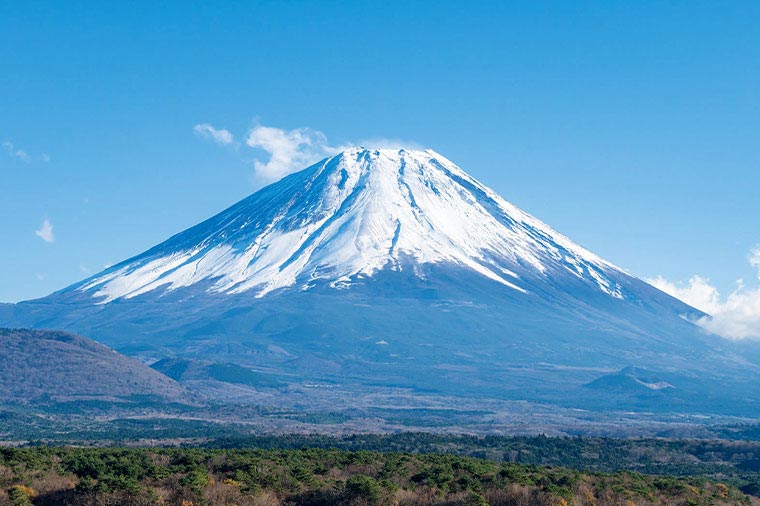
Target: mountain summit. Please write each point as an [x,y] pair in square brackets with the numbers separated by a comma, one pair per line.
[350,216]
[380,278]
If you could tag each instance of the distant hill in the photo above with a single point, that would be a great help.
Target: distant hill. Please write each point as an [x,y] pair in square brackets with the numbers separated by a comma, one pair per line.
[191,370]
[39,366]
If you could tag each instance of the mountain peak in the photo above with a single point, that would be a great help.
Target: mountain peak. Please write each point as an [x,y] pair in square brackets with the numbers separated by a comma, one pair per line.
[349,216]
[385,158]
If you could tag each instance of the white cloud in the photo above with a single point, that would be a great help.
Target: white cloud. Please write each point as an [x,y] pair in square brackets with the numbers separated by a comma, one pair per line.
[208,132]
[386,143]
[12,151]
[739,316]
[697,292]
[45,232]
[735,317]
[754,259]
[293,150]
[288,150]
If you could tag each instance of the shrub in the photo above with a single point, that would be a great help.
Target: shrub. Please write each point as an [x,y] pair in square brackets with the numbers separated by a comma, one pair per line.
[196,480]
[362,489]
[19,495]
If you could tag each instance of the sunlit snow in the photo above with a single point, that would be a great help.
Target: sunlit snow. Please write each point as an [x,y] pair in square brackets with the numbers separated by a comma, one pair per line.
[351,215]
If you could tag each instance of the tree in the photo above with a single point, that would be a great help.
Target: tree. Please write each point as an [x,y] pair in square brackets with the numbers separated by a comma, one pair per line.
[362,489]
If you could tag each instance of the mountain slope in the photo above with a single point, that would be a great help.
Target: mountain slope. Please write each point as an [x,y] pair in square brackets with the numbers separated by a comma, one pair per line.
[353,215]
[395,274]
[45,366]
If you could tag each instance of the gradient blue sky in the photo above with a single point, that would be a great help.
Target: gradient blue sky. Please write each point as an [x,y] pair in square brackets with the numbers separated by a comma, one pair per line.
[632,127]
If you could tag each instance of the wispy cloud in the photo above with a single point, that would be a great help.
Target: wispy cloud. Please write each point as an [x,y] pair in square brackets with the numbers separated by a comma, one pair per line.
[736,316]
[45,232]
[292,150]
[754,259]
[12,151]
[287,150]
[20,154]
[208,132]
[697,292]
[283,151]
[387,143]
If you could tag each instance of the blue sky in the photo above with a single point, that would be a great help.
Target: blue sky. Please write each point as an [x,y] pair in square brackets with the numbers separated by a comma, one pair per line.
[631,127]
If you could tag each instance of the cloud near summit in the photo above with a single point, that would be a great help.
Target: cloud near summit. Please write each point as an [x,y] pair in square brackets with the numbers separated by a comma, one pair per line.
[287,150]
[292,150]
[279,151]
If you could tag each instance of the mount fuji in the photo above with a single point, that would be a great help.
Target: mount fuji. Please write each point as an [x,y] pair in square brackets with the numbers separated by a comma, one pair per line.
[350,217]
[385,274]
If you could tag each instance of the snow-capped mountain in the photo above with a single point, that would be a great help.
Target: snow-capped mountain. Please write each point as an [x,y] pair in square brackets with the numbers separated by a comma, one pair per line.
[379,274]
[353,215]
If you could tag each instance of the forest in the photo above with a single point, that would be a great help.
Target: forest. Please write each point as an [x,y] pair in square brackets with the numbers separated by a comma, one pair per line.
[321,476]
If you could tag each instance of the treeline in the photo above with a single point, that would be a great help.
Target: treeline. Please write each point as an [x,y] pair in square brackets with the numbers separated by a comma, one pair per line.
[736,462]
[594,453]
[316,476]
